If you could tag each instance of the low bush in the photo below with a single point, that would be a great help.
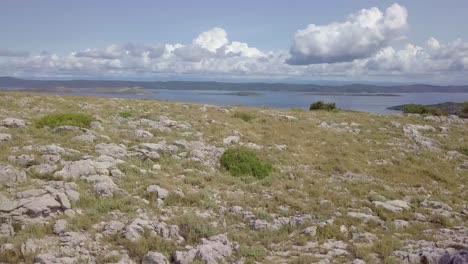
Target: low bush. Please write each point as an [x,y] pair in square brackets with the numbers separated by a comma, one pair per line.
[244,162]
[423,110]
[65,119]
[320,105]
[247,117]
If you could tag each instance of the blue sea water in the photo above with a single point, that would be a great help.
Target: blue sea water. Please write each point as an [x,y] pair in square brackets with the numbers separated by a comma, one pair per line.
[286,100]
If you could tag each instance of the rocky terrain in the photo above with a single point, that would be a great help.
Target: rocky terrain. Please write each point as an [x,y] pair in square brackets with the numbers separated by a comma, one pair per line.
[143,184]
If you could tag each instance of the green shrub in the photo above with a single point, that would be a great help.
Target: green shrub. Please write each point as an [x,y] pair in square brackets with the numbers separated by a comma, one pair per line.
[244,162]
[247,117]
[65,119]
[320,105]
[126,114]
[423,110]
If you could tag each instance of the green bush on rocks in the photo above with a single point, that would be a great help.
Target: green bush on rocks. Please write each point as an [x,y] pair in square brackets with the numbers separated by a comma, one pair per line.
[244,162]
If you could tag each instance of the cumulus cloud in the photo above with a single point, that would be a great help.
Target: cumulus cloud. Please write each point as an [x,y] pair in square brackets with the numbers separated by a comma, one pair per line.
[212,39]
[242,49]
[360,36]
[12,53]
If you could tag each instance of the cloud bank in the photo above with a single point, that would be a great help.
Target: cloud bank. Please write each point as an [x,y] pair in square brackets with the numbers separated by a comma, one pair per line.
[358,48]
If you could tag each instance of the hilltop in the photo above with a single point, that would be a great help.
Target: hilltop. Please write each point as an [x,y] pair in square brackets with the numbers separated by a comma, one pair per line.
[104,180]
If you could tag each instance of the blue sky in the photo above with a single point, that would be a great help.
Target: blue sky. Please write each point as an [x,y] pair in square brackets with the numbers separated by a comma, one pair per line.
[53,32]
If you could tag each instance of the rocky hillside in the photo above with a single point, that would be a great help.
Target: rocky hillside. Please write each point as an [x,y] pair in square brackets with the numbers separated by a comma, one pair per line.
[140,181]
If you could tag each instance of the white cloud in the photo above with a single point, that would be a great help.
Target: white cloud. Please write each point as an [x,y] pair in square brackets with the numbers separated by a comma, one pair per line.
[242,49]
[119,51]
[212,39]
[360,36]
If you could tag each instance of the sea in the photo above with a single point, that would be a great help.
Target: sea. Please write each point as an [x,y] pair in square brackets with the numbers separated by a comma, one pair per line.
[366,102]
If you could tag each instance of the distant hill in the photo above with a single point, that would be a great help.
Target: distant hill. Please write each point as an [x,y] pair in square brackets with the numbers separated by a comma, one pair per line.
[15,83]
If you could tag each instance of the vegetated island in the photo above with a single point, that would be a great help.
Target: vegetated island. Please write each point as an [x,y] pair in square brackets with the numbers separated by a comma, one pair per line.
[350,94]
[107,180]
[447,108]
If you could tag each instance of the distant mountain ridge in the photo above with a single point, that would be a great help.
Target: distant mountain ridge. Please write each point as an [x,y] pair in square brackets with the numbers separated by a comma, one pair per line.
[16,83]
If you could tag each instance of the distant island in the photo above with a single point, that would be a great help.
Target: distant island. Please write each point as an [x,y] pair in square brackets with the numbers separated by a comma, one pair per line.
[16,84]
[448,108]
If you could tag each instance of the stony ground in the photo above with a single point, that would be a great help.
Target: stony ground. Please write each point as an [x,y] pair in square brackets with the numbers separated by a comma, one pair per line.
[144,184]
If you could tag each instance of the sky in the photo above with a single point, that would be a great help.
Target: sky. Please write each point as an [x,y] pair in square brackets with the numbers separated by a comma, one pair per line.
[418,41]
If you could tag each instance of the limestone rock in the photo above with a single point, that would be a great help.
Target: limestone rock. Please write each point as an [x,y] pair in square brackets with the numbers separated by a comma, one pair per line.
[60,226]
[6,230]
[160,192]
[143,134]
[5,137]
[24,159]
[231,140]
[9,174]
[395,206]
[413,132]
[42,205]
[80,168]
[154,258]
[43,169]
[14,122]
[311,231]
[113,227]
[112,149]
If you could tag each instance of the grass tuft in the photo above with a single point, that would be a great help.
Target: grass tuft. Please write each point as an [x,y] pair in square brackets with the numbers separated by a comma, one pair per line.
[126,114]
[247,117]
[193,228]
